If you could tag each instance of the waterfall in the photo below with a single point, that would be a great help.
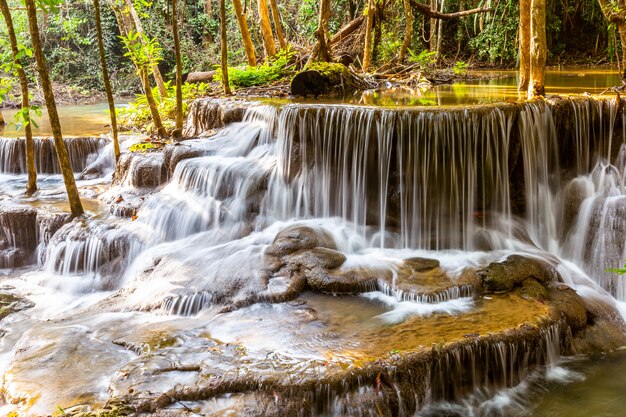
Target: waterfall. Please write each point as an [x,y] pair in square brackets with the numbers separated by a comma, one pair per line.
[82,151]
[236,237]
[416,178]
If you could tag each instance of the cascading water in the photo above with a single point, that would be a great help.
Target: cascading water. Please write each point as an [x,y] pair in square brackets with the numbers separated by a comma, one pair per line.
[81,151]
[369,196]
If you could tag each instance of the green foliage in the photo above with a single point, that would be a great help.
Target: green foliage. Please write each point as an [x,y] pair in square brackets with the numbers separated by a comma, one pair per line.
[423,59]
[27,115]
[141,147]
[619,271]
[6,88]
[459,67]
[145,52]
[272,70]
[137,114]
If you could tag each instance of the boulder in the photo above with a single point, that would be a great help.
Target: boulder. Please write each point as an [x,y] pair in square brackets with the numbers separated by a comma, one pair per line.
[296,238]
[504,276]
[323,78]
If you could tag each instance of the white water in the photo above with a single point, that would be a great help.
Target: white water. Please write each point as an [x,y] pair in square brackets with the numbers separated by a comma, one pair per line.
[386,184]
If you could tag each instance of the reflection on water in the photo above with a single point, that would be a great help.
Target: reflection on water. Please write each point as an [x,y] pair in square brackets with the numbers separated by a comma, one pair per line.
[600,393]
[501,87]
[81,120]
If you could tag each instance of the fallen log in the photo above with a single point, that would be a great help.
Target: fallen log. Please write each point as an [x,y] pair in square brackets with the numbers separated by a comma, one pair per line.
[200,77]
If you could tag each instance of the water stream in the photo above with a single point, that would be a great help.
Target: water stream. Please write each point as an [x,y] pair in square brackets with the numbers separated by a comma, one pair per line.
[189,273]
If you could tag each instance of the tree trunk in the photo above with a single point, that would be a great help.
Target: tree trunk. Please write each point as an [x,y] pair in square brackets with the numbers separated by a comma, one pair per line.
[61,150]
[224,48]
[367,50]
[278,25]
[154,111]
[408,31]
[178,130]
[524,45]
[208,10]
[130,9]
[622,36]
[440,31]
[377,25]
[31,186]
[266,29]
[248,46]
[105,78]
[538,48]
[433,27]
[320,51]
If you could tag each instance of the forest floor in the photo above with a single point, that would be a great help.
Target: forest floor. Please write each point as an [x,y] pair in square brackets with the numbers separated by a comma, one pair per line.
[64,94]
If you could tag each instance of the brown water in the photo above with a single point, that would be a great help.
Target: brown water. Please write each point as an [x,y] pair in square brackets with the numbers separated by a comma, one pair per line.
[498,86]
[81,120]
[597,390]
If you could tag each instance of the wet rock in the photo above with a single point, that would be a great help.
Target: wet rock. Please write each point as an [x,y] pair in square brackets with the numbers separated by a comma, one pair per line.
[533,290]
[19,235]
[296,238]
[10,303]
[77,357]
[316,258]
[570,305]
[141,170]
[177,152]
[504,276]
[573,195]
[208,114]
[421,264]
[348,282]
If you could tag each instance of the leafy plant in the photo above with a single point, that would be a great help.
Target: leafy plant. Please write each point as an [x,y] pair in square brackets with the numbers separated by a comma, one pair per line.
[423,59]
[271,70]
[142,50]
[137,114]
[141,147]
[459,67]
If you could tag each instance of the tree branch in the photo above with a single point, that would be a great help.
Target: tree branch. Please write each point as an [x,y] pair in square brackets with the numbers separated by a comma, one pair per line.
[433,14]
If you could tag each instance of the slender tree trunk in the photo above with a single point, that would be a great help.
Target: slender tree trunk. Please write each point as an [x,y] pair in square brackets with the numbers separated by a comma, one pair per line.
[208,10]
[130,9]
[377,27]
[144,73]
[64,160]
[31,186]
[2,121]
[278,25]
[224,48]
[248,46]
[320,51]
[440,31]
[266,29]
[367,50]
[408,31]
[105,78]
[433,27]
[617,16]
[538,48]
[126,25]
[622,36]
[524,45]
[178,130]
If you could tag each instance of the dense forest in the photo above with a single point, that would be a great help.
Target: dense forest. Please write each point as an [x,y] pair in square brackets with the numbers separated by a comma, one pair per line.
[576,33]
